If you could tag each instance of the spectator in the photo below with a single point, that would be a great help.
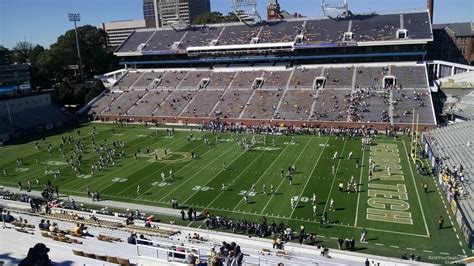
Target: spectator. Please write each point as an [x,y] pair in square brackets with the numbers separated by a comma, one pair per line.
[132,239]
[37,256]
[77,229]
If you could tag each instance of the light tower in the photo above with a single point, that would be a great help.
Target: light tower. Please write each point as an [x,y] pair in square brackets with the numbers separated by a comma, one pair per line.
[246,10]
[75,17]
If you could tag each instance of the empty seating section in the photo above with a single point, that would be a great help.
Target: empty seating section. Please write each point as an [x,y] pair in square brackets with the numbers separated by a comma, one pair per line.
[124,102]
[275,79]
[418,25]
[238,34]
[262,104]
[377,28]
[149,102]
[231,103]
[315,31]
[164,40]
[296,105]
[370,77]
[146,79]
[404,101]
[410,77]
[370,106]
[245,79]
[200,36]
[331,105]
[128,80]
[221,80]
[274,32]
[175,103]
[171,79]
[325,31]
[132,43]
[193,78]
[202,103]
[104,102]
[303,78]
[338,77]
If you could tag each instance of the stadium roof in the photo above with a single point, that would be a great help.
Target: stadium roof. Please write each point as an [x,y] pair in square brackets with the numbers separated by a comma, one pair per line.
[300,33]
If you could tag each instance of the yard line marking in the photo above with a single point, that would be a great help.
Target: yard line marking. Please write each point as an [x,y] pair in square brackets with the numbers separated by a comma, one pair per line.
[360,182]
[427,251]
[334,177]
[188,179]
[334,238]
[394,246]
[460,243]
[269,167]
[416,188]
[309,178]
[237,177]
[444,253]
[378,244]
[463,251]
[454,228]
[411,249]
[283,179]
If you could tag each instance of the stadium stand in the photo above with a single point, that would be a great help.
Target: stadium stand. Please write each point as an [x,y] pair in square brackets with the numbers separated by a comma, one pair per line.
[377,28]
[373,28]
[345,93]
[28,113]
[449,149]
[201,36]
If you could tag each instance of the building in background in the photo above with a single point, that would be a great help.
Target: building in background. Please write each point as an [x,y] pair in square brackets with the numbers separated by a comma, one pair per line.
[157,12]
[118,31]
[14,80]
[149,13]
[453,43]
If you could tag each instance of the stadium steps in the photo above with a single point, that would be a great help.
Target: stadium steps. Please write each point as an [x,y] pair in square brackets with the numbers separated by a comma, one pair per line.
[223,93]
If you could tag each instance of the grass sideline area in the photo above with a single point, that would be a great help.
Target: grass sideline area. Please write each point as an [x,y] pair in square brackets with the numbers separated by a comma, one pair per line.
[198,183]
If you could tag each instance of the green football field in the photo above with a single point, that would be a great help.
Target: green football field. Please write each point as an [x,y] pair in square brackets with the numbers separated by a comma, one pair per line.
[394,209]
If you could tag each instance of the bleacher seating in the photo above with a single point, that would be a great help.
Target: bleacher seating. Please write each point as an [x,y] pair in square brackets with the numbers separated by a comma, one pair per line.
[296,105]
[263,94]
[275,79]
[200,36]
[314,31]
[303,78]
[262,104]
[370,77]
[338,77]
[203,103]
[407,100]
[175,103]
[331,105]
[238,34]
[245,79]
[232,103]
[274,32]
[325,31]
[410,77]
[163,40]
[377,28]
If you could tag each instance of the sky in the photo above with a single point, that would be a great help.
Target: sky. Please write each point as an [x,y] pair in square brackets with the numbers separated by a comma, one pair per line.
[43,21]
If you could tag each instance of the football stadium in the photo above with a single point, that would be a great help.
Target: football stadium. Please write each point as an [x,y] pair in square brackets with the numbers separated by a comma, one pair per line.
[288,141]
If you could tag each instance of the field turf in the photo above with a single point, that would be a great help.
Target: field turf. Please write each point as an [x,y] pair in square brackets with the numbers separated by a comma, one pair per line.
[197,183]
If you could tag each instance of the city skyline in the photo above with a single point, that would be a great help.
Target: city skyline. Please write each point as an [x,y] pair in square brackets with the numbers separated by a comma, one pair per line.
[26,20]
